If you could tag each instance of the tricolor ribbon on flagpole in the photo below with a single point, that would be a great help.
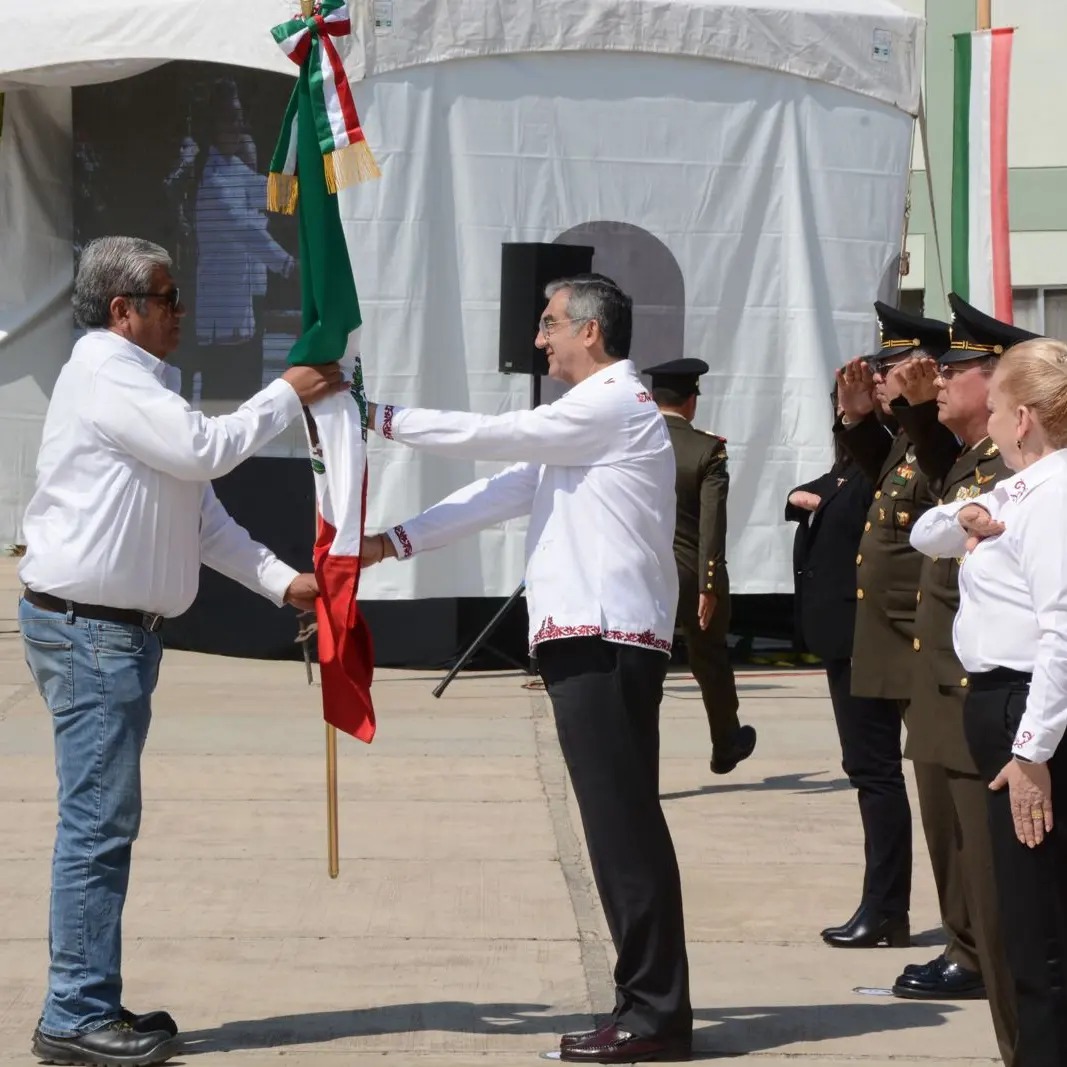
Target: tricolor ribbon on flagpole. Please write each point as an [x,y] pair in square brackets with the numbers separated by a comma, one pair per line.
[346,156]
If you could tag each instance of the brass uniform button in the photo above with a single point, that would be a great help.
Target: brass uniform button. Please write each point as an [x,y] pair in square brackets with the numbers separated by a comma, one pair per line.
[859,559]
[916,644]
[878,495]
[867,527]
[859,594]
[919,597]
[964,682]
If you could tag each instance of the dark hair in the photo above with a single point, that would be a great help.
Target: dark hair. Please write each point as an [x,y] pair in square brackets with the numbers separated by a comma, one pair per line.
[665,396]
[596,298]
[842,456]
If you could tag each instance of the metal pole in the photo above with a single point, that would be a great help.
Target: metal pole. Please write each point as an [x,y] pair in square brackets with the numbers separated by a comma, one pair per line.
[985,14]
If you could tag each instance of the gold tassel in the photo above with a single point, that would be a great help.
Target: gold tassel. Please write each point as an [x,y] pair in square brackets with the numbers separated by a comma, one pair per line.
[350,165]
[282,192]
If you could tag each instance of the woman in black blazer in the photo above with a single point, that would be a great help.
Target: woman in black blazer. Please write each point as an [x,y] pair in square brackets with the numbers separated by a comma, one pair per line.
[830,513]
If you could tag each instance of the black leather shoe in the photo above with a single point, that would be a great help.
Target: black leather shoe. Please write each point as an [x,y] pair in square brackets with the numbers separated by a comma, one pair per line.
[871,929]
[950,981]
[116,1045]
[740,748]
[928,971]
[151,1021]
[609,1044]
[844,927]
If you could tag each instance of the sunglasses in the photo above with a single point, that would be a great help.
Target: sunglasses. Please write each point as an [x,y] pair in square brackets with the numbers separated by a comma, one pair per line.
[172,297]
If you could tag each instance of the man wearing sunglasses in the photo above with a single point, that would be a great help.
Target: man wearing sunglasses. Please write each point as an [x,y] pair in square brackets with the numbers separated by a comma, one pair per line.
[887,572]
[952,795]
[122,516]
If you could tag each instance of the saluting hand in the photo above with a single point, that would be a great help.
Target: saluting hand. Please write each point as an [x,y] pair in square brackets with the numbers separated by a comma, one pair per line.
[914,379]
[978,524]
[855,390]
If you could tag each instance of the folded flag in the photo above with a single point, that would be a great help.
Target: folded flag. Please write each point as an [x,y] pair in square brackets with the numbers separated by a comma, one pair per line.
[321,148]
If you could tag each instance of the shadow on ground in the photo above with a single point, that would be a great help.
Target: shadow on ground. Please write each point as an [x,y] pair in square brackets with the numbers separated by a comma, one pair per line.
[733,1030]
[796,783]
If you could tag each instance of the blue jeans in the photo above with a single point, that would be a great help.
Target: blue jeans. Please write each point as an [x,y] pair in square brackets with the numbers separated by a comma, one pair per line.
[97,679]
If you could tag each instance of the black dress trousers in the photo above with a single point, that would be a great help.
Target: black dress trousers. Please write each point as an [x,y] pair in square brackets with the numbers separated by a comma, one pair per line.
[869,729]
[1031,883]
[606,699]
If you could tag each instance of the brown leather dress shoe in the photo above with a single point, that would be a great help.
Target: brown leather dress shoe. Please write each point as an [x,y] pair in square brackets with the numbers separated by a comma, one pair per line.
[575,1036]
[609,1044]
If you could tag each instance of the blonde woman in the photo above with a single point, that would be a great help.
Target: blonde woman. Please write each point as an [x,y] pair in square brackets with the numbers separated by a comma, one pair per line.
[1011,635]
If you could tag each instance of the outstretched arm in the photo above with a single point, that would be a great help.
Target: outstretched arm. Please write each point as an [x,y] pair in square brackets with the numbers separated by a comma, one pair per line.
[474,507]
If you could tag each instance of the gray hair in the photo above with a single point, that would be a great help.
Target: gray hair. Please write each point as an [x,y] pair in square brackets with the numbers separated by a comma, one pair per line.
[596,298]
[110,267]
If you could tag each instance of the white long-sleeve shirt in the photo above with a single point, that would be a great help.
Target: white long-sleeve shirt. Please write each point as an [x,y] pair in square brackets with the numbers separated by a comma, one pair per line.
[596,476]
[123,512]
[1013,592]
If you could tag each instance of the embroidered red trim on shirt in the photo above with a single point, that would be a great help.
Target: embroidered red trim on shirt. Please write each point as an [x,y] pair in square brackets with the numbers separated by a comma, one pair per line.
[1023,739]
[550,631]
[387,421]
[405,541]
[644,398]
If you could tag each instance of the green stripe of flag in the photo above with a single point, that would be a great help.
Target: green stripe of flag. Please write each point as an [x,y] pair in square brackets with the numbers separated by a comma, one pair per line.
[961,151]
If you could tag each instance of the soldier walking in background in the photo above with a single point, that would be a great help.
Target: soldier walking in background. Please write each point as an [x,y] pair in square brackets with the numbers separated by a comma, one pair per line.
[701,486]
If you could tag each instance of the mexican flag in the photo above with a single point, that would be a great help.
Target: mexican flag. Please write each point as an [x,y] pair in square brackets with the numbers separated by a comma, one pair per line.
[322,148]
[981,252]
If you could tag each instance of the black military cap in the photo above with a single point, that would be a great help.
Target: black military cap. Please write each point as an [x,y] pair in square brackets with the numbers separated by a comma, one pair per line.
[680,375]
[899,333]
[975,334]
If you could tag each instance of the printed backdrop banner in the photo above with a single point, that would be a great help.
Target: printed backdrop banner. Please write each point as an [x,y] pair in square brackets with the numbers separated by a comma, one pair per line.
[754,215]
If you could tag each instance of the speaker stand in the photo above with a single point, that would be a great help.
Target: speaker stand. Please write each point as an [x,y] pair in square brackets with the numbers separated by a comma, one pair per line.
[480,640]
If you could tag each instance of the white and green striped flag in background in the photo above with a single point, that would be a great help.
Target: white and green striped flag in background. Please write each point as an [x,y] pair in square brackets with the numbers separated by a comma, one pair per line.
[981,254]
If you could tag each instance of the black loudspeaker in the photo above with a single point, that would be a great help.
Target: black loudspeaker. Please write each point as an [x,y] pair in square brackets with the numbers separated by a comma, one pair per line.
[525,270]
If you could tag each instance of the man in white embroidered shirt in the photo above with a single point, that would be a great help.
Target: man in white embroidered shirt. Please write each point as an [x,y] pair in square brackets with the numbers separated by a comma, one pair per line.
[122,516]
[595,472]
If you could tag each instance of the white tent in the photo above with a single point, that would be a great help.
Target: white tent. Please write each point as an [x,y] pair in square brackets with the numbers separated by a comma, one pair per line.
[739,165]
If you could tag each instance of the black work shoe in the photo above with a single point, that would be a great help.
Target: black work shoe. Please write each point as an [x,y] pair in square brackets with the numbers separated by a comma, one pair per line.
[150,1021]
[740,748]
[949,982]
[871,929]
[115,1045]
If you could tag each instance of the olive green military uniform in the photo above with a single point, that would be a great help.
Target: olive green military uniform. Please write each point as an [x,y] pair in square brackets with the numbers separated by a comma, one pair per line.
[952,797]
[702,484]
[887,567]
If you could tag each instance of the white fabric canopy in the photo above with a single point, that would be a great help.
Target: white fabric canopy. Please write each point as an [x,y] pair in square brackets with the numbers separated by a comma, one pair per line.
[869,46]
[753,213]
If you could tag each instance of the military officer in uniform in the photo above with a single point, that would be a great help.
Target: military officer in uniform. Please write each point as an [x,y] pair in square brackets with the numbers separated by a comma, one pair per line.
[952,795]
[701,486]
[887,570]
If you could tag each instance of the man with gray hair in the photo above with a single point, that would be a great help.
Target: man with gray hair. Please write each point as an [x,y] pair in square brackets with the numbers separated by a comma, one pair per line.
[121,519]
[595,473]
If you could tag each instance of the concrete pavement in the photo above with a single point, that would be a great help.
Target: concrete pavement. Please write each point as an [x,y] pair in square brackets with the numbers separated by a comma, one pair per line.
[464,928]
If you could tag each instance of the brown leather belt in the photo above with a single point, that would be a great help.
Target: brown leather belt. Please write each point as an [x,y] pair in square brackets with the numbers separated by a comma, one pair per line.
[130,616]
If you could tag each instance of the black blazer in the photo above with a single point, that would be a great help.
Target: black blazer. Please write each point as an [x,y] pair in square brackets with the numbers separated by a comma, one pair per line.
[824,560]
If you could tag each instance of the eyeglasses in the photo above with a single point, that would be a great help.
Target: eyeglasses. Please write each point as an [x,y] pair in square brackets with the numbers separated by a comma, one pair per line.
[171,297]
[947,371]
[546,326]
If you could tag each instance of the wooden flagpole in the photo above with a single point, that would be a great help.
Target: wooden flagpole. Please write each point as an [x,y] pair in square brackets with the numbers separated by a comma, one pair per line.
[985,14]
[307,9]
